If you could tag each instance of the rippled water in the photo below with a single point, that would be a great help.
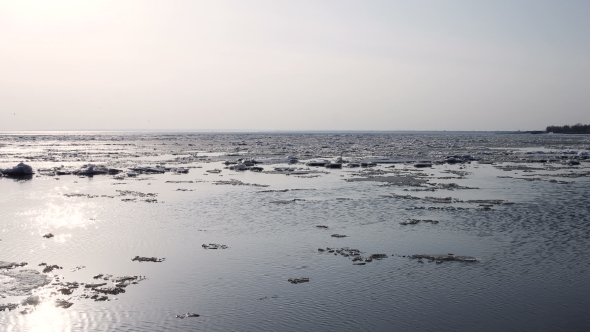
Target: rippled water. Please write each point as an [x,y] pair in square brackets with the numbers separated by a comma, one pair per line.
[532,273]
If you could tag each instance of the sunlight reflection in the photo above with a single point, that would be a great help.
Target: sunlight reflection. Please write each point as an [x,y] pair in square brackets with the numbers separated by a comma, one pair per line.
[47,317]
[53,216]
[62,238]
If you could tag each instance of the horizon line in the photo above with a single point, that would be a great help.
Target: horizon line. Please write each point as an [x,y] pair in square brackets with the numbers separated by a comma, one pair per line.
[261,130]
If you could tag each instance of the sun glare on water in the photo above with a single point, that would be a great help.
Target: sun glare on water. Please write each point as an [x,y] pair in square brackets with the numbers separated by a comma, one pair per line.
[60,218]
[47,317]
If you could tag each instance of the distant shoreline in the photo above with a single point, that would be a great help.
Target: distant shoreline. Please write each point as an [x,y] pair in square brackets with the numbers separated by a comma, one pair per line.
[567,129]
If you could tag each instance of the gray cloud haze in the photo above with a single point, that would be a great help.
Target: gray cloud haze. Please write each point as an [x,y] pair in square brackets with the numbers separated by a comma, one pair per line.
[293,65]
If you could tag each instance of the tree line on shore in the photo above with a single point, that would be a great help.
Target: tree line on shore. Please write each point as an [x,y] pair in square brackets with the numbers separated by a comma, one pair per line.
[567,129]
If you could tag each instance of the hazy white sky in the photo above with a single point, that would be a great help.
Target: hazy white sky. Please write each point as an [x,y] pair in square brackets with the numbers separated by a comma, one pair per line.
[294,65]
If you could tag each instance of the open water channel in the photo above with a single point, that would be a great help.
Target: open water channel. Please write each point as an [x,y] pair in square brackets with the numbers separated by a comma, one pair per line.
[490,232]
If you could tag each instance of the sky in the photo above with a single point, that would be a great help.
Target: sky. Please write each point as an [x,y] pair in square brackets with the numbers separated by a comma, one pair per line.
[293,65]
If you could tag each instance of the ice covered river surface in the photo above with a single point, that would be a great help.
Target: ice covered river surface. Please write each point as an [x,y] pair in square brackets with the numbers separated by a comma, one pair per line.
[493,236]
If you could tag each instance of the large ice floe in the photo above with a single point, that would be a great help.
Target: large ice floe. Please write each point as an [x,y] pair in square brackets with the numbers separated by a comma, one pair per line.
[21,169]
[21,282]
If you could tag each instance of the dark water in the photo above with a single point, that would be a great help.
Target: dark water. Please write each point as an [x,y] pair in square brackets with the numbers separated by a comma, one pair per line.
[532,272]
